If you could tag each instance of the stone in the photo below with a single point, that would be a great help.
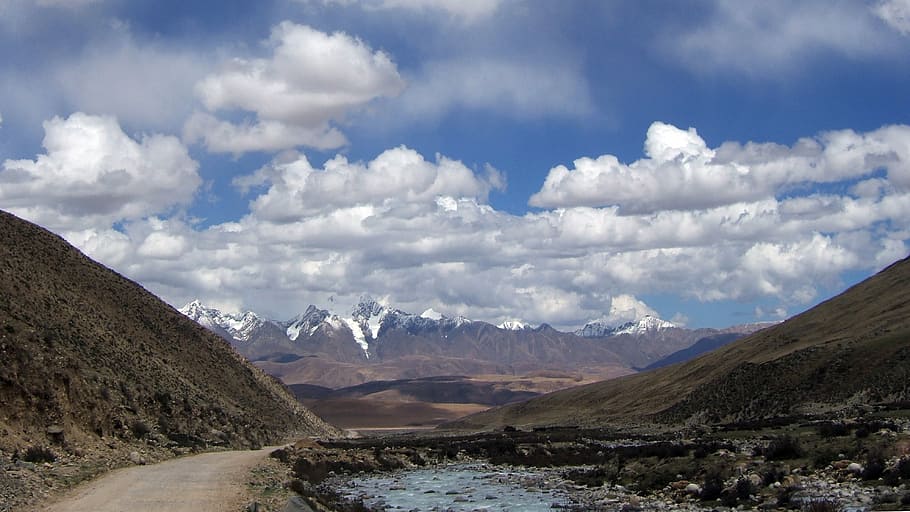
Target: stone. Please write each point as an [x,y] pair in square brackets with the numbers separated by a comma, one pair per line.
[840,464]
[693,489]
[855,468]
[296,504]
[136,458]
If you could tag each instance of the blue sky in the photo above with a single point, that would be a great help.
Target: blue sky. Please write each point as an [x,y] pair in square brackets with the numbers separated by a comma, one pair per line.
[713,162]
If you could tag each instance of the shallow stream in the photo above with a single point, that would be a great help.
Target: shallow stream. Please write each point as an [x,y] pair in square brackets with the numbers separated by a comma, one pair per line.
[461,487]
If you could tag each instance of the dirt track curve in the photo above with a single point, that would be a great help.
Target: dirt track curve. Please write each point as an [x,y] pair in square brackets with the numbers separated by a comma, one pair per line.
[207,482]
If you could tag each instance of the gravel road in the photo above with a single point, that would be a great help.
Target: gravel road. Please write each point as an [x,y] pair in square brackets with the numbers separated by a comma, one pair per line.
[208,482]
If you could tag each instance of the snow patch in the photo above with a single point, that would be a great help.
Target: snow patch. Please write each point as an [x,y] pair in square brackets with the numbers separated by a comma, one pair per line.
[358,335]
[513,325]
[431,314]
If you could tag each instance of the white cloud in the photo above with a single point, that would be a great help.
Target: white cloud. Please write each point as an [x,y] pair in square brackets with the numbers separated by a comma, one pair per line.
[770,38]
[420,232]
[509,86]
[895,13]
[311,80]
[94,174]
[397,176]
[626,308]
[682,173]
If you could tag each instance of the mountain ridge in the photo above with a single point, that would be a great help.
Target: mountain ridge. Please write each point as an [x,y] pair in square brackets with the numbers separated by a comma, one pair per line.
[375,334]
[850,351]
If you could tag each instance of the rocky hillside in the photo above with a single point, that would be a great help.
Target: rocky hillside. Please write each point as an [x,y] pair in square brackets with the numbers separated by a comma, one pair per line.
[89,357]
[849,352]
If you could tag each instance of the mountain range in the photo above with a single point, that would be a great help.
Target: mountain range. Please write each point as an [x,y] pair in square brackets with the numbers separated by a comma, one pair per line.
[380,342]
[843,357]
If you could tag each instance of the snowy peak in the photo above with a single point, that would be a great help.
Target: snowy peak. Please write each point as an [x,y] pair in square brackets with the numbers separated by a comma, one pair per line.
[241,326]
[432,314]
[368,315]
[645,325]
[307,323]
[513,325]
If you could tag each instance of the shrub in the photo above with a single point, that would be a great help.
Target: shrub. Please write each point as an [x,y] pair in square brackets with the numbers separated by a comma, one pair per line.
[713,486]
[875,464]
[282,455]
[772,475]
[903,468]
[836,429]
[38,454]
[822,505]
[140,429]
[783,448]
[785,496]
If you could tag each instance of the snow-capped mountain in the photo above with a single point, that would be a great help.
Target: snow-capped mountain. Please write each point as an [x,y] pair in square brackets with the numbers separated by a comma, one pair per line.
[645,325]
[240,327]
[513,325]
[307,322]
[323,346]
[365,324]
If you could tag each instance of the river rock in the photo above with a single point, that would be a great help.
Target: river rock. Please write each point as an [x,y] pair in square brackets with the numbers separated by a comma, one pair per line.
[297,504]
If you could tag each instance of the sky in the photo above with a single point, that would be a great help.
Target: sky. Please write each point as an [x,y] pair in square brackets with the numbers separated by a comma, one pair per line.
[711,162]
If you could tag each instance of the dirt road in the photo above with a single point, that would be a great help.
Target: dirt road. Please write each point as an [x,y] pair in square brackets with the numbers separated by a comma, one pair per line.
[208,482]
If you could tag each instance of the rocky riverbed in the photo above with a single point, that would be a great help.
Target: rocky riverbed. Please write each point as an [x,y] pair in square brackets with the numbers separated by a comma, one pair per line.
[855,466]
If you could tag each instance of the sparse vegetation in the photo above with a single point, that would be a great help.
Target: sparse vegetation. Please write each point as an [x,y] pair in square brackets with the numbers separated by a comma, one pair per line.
[782,448]
[822,505]
[38,454]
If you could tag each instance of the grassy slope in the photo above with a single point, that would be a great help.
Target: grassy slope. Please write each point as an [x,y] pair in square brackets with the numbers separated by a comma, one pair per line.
[852,349]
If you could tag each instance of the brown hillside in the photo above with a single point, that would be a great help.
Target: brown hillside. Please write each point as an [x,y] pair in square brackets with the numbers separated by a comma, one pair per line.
[87,350]
[851,350]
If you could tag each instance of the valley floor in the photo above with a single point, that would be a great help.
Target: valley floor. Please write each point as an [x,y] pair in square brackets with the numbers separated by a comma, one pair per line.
[859,464]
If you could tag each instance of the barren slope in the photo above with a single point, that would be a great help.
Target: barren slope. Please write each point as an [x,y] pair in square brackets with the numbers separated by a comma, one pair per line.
[851,350]
[94,355]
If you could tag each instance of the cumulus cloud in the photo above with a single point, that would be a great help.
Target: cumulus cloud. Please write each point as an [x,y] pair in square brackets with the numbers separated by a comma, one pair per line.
[311,80]
[682,173]
[397,176]
[93,174]
[420,231]
[768,38]
[625,308]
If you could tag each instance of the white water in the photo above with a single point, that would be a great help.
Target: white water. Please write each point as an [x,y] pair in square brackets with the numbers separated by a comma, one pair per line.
[460,487]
